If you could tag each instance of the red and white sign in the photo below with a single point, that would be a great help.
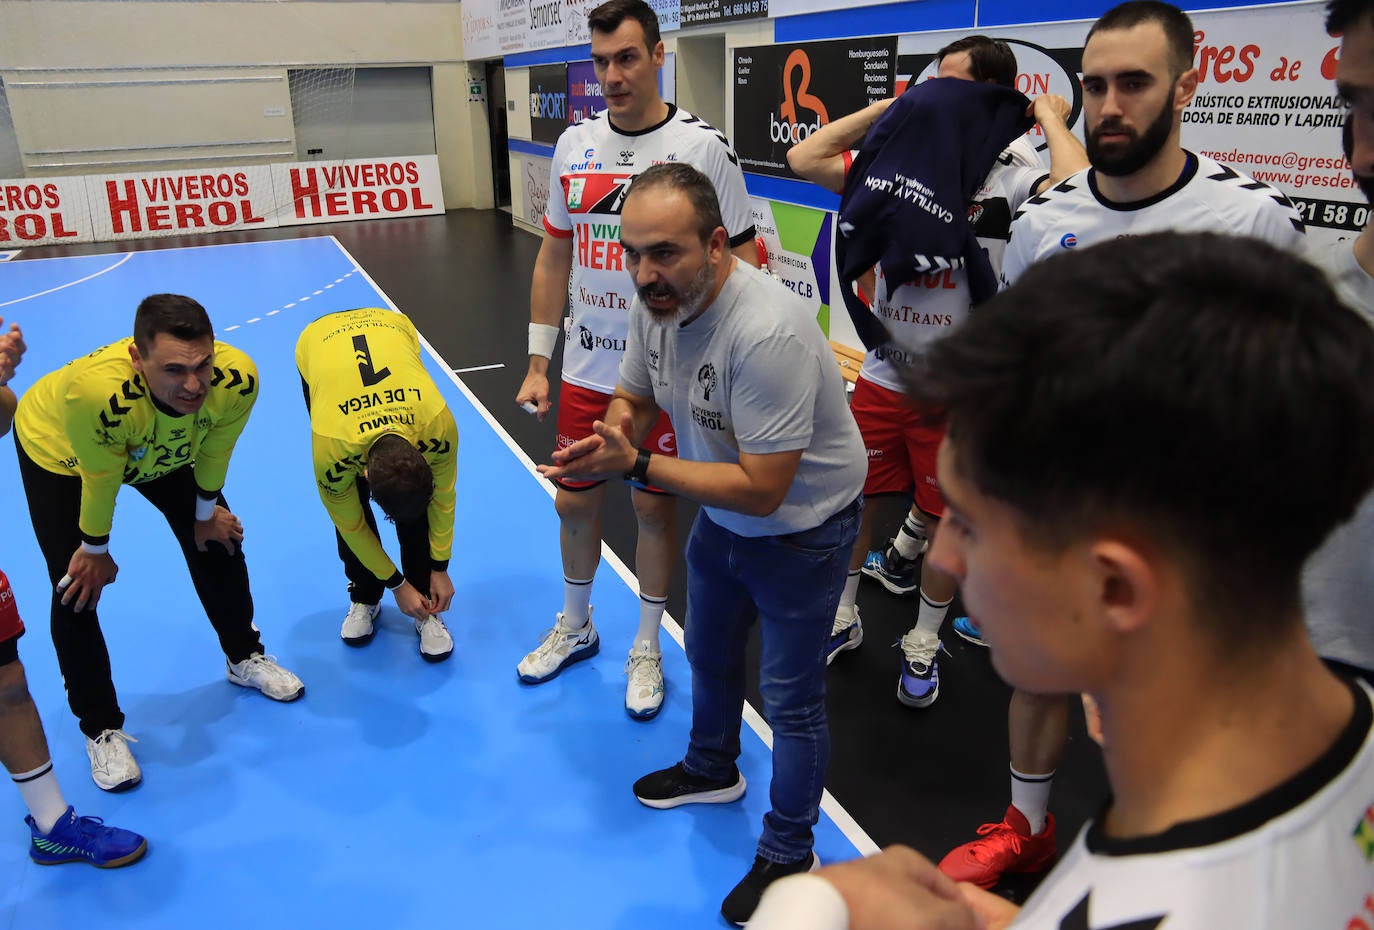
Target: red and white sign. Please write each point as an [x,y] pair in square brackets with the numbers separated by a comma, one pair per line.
[167,203]
[362,189]
[44,212]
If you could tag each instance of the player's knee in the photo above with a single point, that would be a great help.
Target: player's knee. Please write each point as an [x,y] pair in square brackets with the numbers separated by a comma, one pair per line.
[14,687]
[655,512]
[578,507]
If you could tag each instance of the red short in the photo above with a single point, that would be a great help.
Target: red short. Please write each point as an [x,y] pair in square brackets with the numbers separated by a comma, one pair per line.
[11,627]
[579,407]
[902,444]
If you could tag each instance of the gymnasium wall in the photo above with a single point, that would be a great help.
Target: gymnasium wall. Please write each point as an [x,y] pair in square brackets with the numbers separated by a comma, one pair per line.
[102,86]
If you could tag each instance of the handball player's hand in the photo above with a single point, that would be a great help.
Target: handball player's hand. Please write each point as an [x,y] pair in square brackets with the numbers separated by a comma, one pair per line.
[87,575]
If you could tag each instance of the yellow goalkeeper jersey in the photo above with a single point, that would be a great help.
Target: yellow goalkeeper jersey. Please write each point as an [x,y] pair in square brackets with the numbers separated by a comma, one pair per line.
[93,418]
[365,378]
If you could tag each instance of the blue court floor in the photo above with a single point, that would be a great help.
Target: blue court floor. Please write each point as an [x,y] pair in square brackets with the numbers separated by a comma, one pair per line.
[396,793]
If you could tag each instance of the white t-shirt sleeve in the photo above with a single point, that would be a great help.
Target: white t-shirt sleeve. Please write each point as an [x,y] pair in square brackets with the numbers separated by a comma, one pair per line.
[556,216]
[800,902]
[1019,253]
[725,174]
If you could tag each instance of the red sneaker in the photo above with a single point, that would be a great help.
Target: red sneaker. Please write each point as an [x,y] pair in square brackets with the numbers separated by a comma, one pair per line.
[1003,847]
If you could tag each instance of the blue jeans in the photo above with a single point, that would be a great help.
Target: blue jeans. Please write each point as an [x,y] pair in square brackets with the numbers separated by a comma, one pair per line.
[793,584]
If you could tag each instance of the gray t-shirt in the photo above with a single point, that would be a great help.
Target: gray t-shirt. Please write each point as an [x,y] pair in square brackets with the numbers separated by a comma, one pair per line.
[1338,581]
[753,374]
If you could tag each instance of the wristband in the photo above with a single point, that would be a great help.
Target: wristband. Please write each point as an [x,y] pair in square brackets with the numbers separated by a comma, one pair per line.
[639,472]
[93,549]
[205,509]
[542,339]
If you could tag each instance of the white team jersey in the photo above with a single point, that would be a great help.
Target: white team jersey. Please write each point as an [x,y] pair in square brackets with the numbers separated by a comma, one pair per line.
[593,165]
[1208,197]
[920,311]
[1300,857]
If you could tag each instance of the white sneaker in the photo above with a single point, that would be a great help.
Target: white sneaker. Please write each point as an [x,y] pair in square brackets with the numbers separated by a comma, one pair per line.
[436,644]
[113,766]
[357,626]
[561,647]
[263,672]
[644,692]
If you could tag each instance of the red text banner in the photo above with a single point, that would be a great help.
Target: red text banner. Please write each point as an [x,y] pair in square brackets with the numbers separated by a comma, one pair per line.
[361,189]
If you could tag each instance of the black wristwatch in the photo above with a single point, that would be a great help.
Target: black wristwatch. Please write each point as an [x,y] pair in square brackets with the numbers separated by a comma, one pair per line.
[639,472]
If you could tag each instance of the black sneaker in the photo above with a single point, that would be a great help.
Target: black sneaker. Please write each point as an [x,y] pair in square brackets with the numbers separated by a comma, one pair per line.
[676,786]
[740,904]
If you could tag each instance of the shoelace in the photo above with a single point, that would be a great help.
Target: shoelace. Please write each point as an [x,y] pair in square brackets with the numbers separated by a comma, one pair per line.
[552,637]
[989,852]
[913,650]
[643,670]
[841,624]
[260,663]
[103,741]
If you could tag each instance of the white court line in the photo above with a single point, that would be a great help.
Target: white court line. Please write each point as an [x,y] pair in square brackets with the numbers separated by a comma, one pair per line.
[463,371]
[51,290]
[847,824]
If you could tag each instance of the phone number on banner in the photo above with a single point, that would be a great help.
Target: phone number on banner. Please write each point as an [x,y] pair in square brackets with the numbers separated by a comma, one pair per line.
[1331,214]
[714,11]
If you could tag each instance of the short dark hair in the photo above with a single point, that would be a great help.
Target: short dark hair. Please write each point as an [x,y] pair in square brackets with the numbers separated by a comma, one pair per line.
[988,59]
[1177,27]
[1342,14]
[1176,385]
[177,316]
[608,16]
[399,478]
[700,192]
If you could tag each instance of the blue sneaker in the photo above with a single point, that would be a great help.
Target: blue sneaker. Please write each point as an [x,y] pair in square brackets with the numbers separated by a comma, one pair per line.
[970,632]
[844,634]
[85,839]
[891,570]
[919,684]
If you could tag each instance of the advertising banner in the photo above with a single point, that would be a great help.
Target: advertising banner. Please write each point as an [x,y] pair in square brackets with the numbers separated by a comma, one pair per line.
[168,203]
[799,241]
[704,12]
[479,29]
[512,25]
[534,187]
[548,102]
[44,212]
[361,189]
[584,91]
[547,25]
[783,93]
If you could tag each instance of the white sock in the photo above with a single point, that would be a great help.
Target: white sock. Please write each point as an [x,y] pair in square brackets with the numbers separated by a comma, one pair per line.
[931,616]
[1030,794]
[577,602]
[42,795]
[910,538]
[849,595]
[650,620]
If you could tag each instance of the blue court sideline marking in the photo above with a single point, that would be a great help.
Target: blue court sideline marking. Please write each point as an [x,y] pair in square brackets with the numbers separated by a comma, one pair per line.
[832,808]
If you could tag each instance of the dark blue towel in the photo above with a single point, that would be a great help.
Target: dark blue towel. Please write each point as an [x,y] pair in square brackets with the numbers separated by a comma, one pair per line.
[906,197]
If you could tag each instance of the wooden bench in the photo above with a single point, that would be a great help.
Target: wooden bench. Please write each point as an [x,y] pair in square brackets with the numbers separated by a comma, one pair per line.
[850,360]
